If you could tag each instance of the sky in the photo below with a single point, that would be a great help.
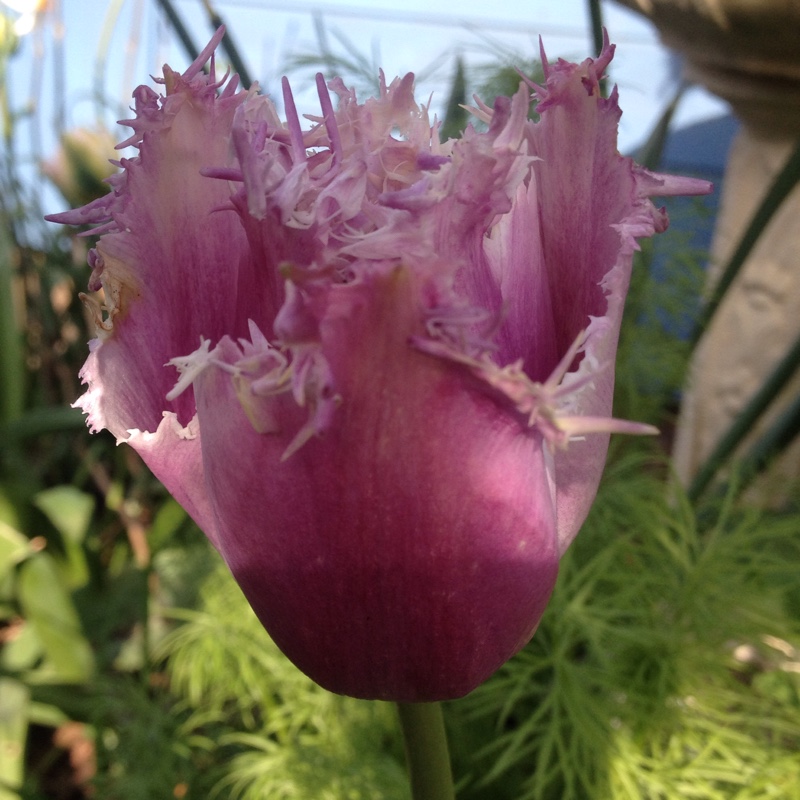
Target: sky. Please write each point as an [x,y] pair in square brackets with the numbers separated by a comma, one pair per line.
[85,56]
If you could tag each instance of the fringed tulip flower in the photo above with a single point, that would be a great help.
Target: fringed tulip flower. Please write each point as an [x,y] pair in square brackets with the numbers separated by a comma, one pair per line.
[374,367]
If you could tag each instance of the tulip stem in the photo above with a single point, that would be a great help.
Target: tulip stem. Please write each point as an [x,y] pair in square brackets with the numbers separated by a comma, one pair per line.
[426,751]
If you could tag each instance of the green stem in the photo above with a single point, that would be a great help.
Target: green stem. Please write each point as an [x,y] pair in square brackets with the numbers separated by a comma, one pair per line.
[426,751]
[598,31]
[180,29]
[596,19]
[237,63]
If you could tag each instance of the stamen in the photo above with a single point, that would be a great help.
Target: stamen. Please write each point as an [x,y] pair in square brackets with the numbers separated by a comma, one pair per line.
[578,427]
[196,67]
[566,362]
[223,173]
[293,122]
[543,60]
[190,367]
[330,119]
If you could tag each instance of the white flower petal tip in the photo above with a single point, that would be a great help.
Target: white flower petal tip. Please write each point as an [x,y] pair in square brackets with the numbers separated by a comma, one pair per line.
[575,427]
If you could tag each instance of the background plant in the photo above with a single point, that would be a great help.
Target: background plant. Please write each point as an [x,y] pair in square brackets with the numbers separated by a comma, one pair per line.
[667,666]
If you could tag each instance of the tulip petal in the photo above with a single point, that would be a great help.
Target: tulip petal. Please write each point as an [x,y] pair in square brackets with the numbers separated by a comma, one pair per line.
[568,269]
[405,554]
[167,267]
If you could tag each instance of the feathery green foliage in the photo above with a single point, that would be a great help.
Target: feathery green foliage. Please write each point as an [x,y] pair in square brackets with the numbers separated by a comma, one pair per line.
[666,665]
[282,735]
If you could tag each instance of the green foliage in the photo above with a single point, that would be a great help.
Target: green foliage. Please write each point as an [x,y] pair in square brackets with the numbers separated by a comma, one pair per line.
[341,58]
[455,114]
[140,752]
[501,77]
[272,731]
[666,665]
[60,653]
[652,358]
[14,702]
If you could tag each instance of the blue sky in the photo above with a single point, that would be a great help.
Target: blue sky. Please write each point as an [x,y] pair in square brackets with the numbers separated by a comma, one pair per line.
[113,45]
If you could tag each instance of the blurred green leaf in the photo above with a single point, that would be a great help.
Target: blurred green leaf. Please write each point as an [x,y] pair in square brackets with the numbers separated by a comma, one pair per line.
[9,41]
[168,519]
[68,508]
[38,421]
[778,436]
[651,152]
[14,548]
[22,651]
[180,29]
[46,714]
[9,512]
[598,31]
[456,116]
[14,697]
[12,367]
[744,423]
[48,608]
[228,45]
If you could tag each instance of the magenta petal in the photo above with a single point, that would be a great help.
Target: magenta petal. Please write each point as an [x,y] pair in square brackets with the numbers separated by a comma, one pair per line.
[171,450]
[168,271]
[411,550]
[567,270]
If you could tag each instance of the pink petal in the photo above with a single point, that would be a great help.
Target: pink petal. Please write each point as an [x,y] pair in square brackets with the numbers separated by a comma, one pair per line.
[170,272]
[417,534]
[568,268]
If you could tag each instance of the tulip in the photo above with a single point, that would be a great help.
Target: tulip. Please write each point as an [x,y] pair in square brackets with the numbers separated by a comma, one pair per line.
[395,355]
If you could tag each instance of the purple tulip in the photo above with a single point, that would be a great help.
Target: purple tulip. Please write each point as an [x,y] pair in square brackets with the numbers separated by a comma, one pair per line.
[398,412]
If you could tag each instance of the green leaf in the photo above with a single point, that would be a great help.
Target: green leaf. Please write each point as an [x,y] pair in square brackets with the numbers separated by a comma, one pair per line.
[596,17]
[14,548]
[168,519]
[70,510]
[22,651]
[744,423]
[180,29]
[651,152]
[14,701]
[12,367]
[456,116]
[47,606]
[231,50]
[781,433]
[9,513]
[46,714]
[39,421]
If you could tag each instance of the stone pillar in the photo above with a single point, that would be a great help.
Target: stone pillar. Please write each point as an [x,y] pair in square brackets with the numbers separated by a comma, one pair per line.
[748,53]
[754,326]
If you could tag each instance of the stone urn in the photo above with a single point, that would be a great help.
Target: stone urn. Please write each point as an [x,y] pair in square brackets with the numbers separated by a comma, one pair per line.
[745,51]
[748,53]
